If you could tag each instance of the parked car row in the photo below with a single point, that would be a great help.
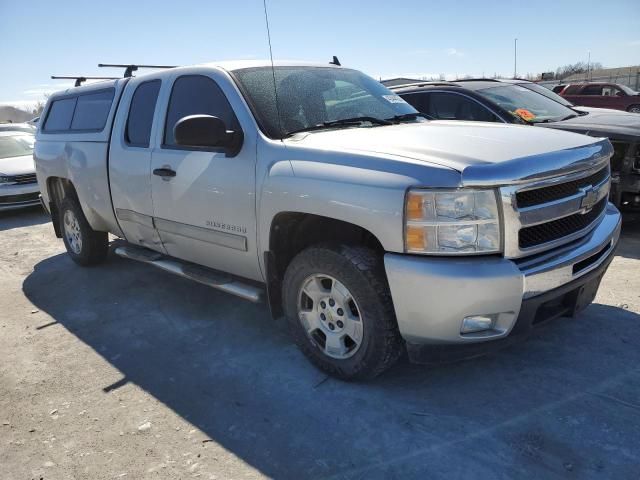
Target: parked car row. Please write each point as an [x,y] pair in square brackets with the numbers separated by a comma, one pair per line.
[602,95]
[318,190]
[527,103]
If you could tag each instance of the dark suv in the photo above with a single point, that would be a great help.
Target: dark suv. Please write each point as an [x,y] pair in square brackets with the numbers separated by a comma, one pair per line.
[527,103]
[603,95]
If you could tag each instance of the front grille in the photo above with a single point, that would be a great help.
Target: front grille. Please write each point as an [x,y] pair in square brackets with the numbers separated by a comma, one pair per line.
[23,179]
[538,196]
[24,197]
[556,229]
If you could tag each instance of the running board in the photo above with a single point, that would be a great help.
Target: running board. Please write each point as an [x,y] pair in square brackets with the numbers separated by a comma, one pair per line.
[199,274]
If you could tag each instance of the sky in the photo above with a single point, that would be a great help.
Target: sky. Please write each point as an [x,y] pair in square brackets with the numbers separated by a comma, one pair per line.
[383,39]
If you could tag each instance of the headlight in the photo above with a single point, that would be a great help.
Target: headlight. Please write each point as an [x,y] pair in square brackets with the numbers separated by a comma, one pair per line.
[452,222]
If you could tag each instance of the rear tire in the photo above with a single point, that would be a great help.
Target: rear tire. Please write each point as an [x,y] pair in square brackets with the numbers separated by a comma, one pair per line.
[340,312]
[84,245]
[633,109]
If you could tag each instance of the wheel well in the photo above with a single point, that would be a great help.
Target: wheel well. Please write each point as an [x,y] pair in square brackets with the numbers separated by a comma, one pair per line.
[58,189]
[293,232]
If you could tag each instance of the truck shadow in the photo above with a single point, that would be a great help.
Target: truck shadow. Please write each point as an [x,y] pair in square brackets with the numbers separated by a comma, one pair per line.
[527,411]
[24,217]
[629,245]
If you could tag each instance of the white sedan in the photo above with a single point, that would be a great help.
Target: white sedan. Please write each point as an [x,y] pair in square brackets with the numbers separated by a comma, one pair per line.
[18,184]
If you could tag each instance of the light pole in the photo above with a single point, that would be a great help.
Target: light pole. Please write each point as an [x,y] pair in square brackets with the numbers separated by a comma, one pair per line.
[515,58]
[588,65]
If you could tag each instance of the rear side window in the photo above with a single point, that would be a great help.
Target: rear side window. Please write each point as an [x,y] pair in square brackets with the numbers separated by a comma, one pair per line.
[92,111]
[592,90]
[572,90]
[86,112]
[419,101]
[193,95]
[60,115]
[143,106]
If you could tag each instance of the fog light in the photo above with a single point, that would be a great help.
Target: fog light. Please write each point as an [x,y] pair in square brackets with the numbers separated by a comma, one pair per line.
[477,323]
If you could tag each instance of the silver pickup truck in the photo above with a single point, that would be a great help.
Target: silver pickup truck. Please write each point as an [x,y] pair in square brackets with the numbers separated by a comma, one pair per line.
[316,189]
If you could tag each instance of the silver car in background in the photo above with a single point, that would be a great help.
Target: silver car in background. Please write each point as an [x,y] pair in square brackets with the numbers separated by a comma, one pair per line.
[18,185]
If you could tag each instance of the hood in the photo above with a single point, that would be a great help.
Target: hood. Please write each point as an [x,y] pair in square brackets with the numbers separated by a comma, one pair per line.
[464,146]
[583,108]
[602,121]
[17,165]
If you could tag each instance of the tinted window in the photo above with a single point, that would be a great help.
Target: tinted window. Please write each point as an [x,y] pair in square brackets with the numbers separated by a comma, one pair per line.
[60,114]
[450,106]
[193,95]
[592,90]
[92,111]
[571,90]
[419,101]
[143,106]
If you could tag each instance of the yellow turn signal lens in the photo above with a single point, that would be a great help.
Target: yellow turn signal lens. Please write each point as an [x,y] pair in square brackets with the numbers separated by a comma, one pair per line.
[415,238]
[415,204]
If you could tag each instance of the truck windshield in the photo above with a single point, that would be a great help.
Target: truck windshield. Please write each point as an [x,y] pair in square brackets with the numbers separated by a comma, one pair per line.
[16,145]
[318,96]
[526,104]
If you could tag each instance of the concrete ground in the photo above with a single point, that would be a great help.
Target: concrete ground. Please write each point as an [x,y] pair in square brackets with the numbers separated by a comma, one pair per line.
[124,371]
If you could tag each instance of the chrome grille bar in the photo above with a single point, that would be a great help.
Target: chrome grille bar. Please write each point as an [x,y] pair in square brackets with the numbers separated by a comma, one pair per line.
[552,212]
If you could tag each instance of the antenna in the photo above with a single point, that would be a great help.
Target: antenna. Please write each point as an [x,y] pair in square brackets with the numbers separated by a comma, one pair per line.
[80,78]
[335,61]
[273,69]
[130,68]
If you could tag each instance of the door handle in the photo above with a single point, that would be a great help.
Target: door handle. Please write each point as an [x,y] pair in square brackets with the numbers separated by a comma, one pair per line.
[164,172]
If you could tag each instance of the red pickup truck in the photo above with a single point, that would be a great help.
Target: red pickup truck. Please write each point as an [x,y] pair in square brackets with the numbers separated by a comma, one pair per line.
[603,95]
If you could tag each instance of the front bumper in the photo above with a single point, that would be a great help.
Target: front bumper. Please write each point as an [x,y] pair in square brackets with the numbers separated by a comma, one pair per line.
[432,296]
[19,196]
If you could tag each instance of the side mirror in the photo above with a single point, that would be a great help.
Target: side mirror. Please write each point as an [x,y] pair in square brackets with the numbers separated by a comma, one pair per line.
[207,131]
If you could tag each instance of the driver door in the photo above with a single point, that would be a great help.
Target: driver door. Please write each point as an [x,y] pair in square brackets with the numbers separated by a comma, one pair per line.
[204,200]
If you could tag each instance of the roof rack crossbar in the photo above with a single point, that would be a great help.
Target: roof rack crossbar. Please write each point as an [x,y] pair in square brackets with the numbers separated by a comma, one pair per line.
[80,78]
[426,83]
[130,68]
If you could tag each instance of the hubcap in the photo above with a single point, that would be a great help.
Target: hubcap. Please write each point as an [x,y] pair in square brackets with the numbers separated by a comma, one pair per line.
[72,232]
[330,316]
[635,110]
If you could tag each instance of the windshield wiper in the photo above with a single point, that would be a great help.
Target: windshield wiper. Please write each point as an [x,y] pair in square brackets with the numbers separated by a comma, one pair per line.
[343,122]
[408,116]
[551,120]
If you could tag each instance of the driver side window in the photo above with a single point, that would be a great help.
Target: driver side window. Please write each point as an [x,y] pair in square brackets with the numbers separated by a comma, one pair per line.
[193,95]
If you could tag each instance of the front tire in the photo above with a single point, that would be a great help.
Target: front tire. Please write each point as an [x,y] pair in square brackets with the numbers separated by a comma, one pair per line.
[84,245]
[633,109]
[340,312]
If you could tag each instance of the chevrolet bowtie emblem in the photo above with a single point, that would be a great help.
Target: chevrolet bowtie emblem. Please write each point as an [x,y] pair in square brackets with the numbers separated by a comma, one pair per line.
[590,197]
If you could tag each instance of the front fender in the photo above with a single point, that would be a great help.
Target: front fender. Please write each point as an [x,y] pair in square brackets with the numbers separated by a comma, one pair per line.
[361,190]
